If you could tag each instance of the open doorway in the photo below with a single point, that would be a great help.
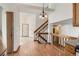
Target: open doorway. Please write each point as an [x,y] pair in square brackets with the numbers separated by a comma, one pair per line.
[2,49]
[56,31]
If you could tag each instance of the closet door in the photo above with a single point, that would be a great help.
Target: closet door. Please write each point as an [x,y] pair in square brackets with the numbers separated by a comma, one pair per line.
[9,16]
[25,30]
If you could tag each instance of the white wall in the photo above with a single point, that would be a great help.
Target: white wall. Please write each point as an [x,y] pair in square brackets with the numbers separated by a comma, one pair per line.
[16,25]
[68,29]
[62,11]
[30,19]
[4,29]
[16,30]
[0,19]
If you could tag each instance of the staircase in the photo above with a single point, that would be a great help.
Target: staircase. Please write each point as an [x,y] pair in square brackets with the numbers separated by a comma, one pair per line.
[40,34]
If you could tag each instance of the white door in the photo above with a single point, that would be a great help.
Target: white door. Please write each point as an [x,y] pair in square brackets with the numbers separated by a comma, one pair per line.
[25,30]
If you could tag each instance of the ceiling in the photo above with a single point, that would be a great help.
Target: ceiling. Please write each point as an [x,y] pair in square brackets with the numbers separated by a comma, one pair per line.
[34,4]
[30,7]
[49,5]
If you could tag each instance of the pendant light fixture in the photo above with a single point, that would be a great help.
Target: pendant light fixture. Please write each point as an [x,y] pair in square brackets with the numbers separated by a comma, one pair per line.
[43,14]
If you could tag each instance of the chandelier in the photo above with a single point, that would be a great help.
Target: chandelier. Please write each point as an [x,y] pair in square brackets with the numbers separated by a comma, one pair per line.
[43,15]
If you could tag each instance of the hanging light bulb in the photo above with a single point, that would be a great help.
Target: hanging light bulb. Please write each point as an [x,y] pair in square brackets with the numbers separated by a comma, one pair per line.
[40,16]
[46,16]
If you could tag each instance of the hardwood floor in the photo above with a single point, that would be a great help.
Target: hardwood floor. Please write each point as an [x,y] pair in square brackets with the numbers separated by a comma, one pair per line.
[31,48]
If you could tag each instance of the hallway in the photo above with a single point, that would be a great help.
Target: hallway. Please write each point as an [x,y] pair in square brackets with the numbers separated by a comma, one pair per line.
[31,48]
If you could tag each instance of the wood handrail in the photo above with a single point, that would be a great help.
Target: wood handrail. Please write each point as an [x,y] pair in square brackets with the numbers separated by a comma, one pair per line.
[70,37]
[65,36]
[42,33]
[45,33]
[41,26]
